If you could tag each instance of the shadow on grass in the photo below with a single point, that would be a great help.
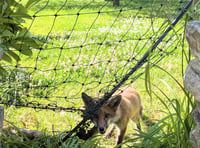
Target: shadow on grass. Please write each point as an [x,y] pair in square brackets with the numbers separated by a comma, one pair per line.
[148,122]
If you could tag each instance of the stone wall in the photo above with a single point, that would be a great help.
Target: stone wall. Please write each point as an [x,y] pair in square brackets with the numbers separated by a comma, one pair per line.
[192,76]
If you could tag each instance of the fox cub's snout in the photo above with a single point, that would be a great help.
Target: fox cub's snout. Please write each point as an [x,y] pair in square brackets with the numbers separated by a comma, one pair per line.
[121,107]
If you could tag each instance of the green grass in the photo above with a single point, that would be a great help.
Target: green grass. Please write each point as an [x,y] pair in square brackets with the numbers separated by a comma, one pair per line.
[170,107]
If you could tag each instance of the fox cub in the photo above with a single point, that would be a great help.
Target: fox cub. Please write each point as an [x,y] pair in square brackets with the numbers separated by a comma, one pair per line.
[119,109]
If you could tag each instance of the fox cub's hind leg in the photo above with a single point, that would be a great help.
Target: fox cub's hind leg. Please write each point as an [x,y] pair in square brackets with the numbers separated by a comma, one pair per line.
[137,121]
[138,126]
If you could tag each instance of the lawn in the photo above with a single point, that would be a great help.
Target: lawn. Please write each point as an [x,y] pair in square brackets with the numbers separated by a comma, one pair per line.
[89,46]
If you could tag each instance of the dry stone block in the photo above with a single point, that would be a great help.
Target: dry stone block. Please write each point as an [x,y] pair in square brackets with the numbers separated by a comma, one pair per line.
[192,33]
[192,76]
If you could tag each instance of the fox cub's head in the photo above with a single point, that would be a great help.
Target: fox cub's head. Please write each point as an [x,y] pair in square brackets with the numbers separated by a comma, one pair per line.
[106,114]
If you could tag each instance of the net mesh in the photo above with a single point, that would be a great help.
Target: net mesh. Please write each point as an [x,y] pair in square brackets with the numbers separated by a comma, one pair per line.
[87,46]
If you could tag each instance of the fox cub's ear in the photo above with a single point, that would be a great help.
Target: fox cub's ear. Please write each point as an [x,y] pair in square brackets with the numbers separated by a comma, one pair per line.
[87,99]
[114,102]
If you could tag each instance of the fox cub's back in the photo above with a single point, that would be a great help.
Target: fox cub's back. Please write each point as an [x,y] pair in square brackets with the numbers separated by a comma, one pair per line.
[130,105]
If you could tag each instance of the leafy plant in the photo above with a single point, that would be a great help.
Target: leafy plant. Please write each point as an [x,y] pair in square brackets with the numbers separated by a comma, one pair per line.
[15,39]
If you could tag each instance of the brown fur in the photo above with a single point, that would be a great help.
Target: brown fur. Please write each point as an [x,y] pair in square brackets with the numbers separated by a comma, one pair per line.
[119,109]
